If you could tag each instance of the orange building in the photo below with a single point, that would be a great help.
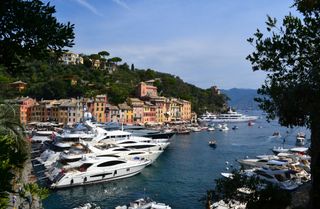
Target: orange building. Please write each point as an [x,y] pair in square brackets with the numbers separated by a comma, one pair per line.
[24,105]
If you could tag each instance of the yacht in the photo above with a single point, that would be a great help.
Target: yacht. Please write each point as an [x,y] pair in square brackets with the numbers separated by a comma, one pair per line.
[252,163]
[103,150]
[144,203]
[280,177]
[207,117]
[94,170]
[232,116]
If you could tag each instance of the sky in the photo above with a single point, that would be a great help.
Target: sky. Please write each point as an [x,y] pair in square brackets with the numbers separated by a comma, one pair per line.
[201,41]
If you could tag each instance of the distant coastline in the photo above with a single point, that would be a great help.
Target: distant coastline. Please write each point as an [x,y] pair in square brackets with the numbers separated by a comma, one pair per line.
[242,99]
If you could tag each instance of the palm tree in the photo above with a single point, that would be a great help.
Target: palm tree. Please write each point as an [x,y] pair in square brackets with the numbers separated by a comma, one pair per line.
[13,148]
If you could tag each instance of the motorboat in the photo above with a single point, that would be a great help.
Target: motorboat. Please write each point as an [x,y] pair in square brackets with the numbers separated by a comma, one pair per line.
[144,203]
[232,204]
[212,143]
[235,127]
[94,170]
[48,157]
[88,206]
[280,177]
[224,127]
[300,139]
[276,134]
[233,116]
[253,163]
[278,150]
[195,129]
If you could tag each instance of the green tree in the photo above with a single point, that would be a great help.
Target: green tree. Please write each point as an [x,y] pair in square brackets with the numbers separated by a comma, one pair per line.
[104,54]
[256,193]
[115,59]
[290,56]
[28,30]
[13,149]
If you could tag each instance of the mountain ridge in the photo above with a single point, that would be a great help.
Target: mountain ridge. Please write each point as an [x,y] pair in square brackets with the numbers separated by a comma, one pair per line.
[242,98]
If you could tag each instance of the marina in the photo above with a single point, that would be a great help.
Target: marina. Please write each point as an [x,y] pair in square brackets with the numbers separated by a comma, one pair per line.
[184,172]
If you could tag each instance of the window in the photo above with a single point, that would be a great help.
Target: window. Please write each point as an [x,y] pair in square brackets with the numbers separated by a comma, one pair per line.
[110,163]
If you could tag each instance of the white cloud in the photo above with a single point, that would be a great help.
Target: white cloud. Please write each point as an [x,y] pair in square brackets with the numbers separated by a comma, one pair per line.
[121,4]
[89,6]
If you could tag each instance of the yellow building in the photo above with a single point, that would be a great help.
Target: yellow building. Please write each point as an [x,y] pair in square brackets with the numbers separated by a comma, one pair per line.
[186,110]
[99,108]
[126,113]
[175,109]
[137,109]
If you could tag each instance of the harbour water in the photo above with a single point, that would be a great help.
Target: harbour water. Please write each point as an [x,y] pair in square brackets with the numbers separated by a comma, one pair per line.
[185,171]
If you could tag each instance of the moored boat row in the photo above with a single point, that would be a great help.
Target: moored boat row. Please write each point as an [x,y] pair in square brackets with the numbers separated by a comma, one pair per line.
[74,158]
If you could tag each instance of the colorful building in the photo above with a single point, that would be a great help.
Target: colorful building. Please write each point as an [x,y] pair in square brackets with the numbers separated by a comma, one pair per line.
[137,109]
[186,110]
[146,90]
[160,103]
[99,108]
[149,113]
[19,85]
[125,113]
[114,115]
[70,58]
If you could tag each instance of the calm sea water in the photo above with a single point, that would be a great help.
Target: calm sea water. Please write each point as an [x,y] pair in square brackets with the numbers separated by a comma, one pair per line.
[185,171]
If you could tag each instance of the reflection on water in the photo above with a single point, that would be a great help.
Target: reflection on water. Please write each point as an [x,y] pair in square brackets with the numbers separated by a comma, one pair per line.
[184,172]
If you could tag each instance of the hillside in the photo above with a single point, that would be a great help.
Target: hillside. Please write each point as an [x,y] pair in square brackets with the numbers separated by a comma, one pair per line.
[242,99]
[56,81]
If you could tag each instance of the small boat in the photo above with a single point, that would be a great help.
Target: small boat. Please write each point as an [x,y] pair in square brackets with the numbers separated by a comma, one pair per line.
[144,203]
[251,123]
[212,143]
[235,127]
[224,127]
[278,150]
[300,139]
[210,129]
[88,206]
[276,134]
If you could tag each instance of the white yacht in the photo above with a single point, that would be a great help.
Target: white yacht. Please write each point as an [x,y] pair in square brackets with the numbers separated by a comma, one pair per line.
[207,117]
[144,203]
[106,150]
[232,116]
[280,177]
[94,170]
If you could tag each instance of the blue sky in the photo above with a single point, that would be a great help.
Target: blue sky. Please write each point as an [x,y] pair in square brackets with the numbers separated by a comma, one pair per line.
[201,41]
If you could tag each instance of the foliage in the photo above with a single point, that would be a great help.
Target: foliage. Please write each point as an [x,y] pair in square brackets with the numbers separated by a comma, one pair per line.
[13,148]
[259,195]
[36,191]
[54,81]
[28,31]
[290,56]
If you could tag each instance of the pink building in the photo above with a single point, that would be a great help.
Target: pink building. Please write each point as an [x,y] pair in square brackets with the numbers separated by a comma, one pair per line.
[146,90]
[137,109]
